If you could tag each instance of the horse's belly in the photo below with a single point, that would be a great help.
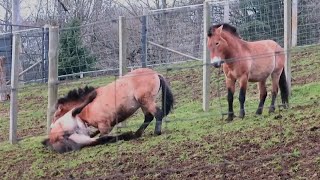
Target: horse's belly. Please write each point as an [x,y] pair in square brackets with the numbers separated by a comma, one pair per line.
[261,71]
[126,110]
[254,77]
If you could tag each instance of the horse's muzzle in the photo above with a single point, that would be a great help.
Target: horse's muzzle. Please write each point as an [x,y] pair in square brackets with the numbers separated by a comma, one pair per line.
[216,64]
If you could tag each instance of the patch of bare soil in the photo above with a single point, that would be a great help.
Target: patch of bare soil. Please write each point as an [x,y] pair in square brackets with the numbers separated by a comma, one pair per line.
[292,156]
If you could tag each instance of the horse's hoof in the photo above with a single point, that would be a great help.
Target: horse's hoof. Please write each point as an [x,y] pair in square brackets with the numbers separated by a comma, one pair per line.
[259,112]
[271,110]
[157,133]
[229,119]
[242,114]
[231,116]
[286,106]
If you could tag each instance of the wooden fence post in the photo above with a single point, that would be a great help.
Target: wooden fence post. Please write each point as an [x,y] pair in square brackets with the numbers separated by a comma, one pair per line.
[122,53]
[206,59]
[3,84]
[53,72]
[16,43]
[288,39]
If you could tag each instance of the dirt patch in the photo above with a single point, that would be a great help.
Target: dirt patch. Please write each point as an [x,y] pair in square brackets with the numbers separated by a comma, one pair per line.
[244,159]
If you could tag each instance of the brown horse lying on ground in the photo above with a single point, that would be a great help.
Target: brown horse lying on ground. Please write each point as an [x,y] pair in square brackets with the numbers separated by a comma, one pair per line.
[106,106]
[70,133]
[247,61]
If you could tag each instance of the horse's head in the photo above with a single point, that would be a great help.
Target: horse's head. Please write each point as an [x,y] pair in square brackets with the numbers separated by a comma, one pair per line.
[217,43]
[60,132]
[74,98]
[69,132]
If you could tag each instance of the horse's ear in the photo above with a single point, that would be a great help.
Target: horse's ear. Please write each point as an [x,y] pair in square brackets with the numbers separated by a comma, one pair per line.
[219,30]
[60,108]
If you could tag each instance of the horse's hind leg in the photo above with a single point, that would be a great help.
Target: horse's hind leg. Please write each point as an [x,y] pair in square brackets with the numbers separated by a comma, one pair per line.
[148,117]
[263,95]
[275,85]
[151,110]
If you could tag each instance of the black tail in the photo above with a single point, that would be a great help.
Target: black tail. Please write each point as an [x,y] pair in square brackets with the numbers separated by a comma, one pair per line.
[88,100]
[167,96]
[284,89]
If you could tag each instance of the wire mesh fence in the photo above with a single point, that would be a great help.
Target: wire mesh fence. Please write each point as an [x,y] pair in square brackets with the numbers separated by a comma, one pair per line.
[194,144]
[88,49]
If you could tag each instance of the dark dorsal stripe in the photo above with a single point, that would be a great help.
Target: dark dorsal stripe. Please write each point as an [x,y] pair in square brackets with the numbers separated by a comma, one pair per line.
[226,27]
[76,95]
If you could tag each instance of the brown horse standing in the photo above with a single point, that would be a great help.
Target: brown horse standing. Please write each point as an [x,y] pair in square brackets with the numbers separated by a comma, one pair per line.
[247,61]
[106,106]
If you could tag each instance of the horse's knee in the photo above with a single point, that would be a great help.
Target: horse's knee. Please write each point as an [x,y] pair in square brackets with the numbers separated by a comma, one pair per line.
[104,129]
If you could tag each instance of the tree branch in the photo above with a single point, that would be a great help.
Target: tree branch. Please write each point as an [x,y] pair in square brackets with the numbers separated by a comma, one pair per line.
[63,6]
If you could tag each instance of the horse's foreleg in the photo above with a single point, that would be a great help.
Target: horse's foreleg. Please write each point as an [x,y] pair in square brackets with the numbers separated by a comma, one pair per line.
[231,88]
[275,86]
[104,128]
[263,95]
[242,94]
[94,133]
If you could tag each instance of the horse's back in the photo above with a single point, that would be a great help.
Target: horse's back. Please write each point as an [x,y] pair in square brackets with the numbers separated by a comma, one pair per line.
[143,81]
[264,61]
[128,90]
[263,46]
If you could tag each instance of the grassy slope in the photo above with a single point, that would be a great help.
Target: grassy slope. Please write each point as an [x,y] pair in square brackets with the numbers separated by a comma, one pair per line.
[191,138]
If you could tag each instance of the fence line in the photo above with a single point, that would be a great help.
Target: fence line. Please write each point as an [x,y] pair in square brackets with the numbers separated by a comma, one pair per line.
[174,51]
[53,73]
[14,89]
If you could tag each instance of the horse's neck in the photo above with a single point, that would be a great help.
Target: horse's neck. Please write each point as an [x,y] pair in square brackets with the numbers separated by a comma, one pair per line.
[236,46]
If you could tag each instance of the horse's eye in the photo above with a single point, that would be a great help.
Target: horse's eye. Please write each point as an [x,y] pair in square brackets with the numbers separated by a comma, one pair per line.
[217,44]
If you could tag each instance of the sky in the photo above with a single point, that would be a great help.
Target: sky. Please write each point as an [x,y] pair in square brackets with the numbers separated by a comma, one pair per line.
[26,8]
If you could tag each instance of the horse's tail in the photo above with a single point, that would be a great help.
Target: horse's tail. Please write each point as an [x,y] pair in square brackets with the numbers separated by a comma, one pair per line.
[87,101]
[284,88]
[167,96]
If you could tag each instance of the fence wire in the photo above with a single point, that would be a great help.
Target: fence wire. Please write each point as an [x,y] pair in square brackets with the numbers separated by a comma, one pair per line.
[194,144]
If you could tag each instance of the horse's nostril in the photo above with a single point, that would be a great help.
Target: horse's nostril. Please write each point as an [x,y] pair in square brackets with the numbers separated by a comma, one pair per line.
[216,65]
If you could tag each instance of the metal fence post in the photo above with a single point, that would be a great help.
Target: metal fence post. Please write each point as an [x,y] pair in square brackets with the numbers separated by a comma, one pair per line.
[206,58]
[53,72]
[288,39]
[226,12]
[122,46]
[122,53]
[294,23]
[144,41]
[45,50]
[16,42]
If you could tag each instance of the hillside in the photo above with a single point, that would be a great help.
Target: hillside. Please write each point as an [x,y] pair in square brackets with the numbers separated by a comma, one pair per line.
[193,145]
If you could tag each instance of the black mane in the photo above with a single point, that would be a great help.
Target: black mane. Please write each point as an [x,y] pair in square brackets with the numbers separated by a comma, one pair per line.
[227,27]
[76,95]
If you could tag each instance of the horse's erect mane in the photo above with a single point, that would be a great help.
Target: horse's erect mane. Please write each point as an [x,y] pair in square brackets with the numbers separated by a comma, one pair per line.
[226,27]
[76,95]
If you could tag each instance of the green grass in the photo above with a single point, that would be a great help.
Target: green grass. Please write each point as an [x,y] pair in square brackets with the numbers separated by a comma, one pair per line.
[190,137]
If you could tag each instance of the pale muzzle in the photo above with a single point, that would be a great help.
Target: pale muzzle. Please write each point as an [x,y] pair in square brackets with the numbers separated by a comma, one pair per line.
[216,62]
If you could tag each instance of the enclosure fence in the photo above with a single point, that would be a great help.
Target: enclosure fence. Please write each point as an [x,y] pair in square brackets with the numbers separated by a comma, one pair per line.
[172,41]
